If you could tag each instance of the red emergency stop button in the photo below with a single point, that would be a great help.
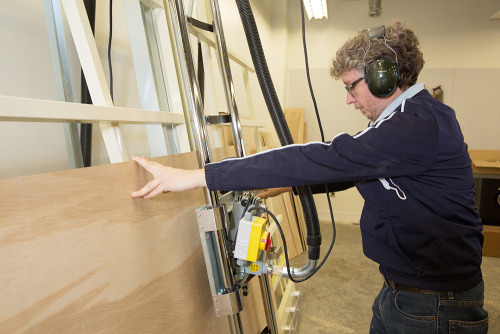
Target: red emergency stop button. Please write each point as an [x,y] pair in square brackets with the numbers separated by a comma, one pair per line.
[265,241]
[268,245]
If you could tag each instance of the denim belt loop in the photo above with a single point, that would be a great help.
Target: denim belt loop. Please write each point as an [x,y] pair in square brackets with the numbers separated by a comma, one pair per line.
[389,283]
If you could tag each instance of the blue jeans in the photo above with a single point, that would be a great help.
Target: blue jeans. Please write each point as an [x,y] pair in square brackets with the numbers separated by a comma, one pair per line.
[402,312]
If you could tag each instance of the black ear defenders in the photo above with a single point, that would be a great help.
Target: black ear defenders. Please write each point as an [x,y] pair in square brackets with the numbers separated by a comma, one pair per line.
[382,74]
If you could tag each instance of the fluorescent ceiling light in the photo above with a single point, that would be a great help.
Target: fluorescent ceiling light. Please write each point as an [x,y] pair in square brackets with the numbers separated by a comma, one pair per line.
[316,9]
[375,8]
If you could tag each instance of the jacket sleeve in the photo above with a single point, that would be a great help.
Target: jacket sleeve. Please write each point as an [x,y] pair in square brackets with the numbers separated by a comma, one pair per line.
[331,187]
[401,144]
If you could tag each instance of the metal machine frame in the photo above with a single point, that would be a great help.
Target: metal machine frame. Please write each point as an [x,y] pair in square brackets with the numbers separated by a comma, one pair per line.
[226,282]
[213,219]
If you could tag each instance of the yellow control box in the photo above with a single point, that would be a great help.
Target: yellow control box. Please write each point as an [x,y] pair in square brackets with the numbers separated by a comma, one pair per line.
[251,239]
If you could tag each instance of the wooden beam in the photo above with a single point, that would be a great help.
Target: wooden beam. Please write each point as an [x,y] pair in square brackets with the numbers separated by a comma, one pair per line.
[208,38]
[35,110]
[94,75]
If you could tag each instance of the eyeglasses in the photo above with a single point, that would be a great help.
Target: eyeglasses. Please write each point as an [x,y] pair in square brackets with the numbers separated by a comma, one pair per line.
[351,87]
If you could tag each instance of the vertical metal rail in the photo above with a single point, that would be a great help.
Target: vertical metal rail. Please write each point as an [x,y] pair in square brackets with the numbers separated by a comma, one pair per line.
[225,69]
[227,79]
[191,87]
[145,57]
[149,19]
[212,220]
[63,81]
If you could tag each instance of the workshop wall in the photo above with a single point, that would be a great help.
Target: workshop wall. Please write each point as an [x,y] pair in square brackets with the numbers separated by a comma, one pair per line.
[458,41]
[459,44]
[26,70]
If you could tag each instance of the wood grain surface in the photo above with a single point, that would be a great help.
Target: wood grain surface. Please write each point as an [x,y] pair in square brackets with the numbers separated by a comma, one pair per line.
[79,255]
[485,161]
[295,120]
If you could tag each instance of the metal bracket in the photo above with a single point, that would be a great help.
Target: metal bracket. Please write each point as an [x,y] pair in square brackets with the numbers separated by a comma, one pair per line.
[210,219]
[228,303]
[218,119]
[274,253]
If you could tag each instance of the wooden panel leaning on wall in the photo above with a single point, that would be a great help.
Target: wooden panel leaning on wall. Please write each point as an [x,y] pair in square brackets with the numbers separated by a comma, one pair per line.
[79,255]
[288,205]
[296,124]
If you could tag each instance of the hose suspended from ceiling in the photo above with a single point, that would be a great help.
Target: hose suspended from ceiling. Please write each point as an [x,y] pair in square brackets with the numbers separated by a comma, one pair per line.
[279,122]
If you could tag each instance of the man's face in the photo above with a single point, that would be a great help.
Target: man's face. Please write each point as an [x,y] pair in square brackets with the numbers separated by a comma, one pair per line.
[363,99]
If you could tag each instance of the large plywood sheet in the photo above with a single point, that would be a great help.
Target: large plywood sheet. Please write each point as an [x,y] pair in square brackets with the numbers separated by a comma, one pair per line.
[79,255]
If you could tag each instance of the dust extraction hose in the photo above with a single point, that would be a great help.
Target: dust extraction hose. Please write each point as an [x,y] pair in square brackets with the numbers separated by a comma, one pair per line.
[279,122]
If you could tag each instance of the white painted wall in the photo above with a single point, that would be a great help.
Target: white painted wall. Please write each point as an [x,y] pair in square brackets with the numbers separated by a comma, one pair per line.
[26,70]
[235,39]
[453,33]
[460,46]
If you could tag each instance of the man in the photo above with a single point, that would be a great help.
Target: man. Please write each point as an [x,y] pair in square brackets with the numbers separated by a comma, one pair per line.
[412,167]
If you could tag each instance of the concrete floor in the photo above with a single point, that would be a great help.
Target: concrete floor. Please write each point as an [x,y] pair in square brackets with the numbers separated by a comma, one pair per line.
[338,298]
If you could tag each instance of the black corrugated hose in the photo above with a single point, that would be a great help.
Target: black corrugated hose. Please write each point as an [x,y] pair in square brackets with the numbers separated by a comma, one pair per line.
[279,122]
[86,128]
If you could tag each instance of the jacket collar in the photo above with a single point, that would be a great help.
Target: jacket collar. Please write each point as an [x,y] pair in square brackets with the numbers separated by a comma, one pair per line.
[409,93]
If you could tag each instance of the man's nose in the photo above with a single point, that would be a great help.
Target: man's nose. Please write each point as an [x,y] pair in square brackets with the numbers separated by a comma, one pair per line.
[350,99]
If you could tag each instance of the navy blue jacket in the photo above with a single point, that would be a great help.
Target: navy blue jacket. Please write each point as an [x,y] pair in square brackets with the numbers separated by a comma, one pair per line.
[419,220]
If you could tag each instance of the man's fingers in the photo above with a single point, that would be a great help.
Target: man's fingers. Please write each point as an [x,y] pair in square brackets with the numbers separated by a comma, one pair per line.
[166,179]
[153,193]
[143,162]
[272,192]
[147,189]
[265,194]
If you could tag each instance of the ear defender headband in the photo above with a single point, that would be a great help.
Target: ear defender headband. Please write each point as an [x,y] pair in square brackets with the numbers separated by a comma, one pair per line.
[382,74]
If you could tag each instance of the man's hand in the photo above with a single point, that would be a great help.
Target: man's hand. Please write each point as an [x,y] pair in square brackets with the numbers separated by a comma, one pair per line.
[272,192]
[167,179]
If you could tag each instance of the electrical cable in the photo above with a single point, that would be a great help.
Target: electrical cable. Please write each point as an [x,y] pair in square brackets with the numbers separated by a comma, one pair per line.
[284,135]
[326,187]
[285,249]
[276,113]
[307,71]
[110,37]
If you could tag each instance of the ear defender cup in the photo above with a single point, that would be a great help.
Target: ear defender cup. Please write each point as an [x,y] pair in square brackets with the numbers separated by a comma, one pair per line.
[381,76]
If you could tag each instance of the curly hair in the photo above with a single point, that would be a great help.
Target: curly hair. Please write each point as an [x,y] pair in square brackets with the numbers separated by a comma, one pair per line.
[399,37]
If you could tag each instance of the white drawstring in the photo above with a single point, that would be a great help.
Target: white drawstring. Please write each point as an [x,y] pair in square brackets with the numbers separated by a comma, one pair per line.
[396,188]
